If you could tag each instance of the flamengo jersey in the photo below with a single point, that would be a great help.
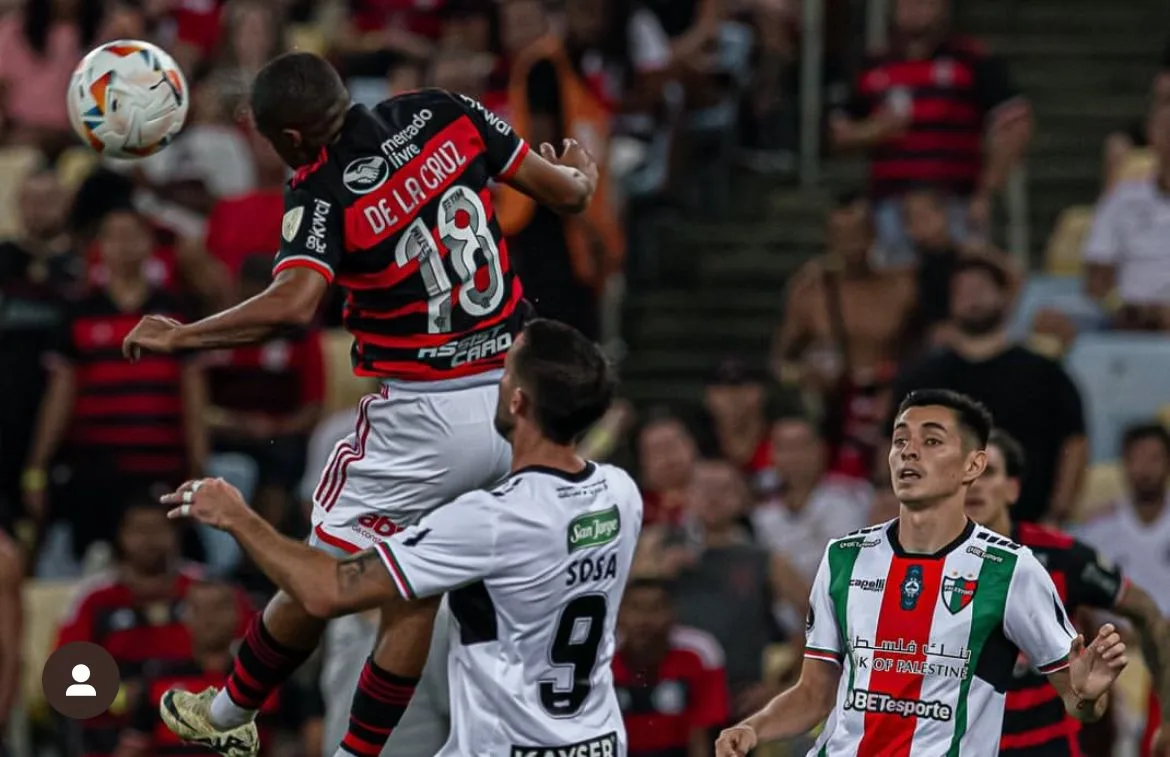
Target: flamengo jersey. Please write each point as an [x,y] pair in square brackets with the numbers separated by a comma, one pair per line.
[535,571]
[399,214]
[927,643]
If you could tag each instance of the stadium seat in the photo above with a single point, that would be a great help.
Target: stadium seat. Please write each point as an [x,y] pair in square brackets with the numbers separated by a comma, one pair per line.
[45,602]
[1061,293]
[75,165]
[1063,256]
[15,164]
[342,388]
[1122,378]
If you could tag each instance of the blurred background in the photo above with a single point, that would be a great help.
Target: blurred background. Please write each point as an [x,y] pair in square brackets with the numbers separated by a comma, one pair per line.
[815,206]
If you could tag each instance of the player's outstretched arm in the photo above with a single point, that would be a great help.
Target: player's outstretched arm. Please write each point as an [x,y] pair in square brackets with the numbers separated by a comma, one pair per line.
[325,587]
[291,300]
[793,712]
[1092,669]
[564,184]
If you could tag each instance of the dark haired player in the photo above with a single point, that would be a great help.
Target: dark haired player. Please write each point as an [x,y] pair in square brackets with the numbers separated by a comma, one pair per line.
[535,567]
[915,625]
[1035,723]
[393,205]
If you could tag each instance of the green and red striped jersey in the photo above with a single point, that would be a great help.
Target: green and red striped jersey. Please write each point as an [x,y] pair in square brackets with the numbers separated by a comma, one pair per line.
[927,643]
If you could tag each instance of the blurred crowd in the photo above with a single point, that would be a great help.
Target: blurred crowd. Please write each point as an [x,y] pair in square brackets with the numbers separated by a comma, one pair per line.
[786,450]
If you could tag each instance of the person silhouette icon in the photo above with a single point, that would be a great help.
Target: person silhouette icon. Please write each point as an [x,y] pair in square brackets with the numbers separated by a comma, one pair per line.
[81,688]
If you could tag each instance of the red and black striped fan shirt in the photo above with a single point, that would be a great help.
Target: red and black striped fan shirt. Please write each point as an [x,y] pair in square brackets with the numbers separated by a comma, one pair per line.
[399,213]
[950,96]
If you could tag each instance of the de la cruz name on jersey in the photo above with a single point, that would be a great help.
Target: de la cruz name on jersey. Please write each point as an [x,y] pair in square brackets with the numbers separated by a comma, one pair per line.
[399,213]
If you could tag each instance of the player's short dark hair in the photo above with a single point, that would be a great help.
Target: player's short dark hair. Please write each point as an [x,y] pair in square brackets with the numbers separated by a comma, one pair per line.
[295,91]
[973,416]
[1142,431]
[994,272]
[567,377]
[1015,462]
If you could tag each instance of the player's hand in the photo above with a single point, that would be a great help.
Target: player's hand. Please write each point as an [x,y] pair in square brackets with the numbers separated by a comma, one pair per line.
[573,155]
[1094,668]
[154,333]
[735,741]
[211,501]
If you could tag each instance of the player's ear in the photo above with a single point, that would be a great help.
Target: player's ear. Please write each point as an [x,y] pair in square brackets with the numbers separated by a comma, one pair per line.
[976,464]
[518,402]
[293,136]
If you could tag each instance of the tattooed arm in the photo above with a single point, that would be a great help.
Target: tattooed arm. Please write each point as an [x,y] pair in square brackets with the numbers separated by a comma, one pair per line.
[1153,632]
[324,586]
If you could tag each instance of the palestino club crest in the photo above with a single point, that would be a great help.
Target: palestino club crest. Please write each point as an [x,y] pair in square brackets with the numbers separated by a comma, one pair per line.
[958,592]
[911,587]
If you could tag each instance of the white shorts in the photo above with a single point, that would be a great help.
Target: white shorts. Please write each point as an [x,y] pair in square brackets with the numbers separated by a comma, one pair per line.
[415,447]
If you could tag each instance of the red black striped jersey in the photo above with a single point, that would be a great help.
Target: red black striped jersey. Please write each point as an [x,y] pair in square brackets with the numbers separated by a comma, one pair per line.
[398,212]
[949,96]
[135,631]
[127,416]
[1035,722]
[686,690]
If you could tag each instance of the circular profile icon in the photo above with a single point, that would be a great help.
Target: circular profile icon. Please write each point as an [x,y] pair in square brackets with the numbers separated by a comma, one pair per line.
[80,680]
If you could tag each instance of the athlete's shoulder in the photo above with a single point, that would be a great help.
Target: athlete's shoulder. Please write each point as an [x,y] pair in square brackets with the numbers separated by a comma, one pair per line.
[699,646]
[862,538]
[983,535]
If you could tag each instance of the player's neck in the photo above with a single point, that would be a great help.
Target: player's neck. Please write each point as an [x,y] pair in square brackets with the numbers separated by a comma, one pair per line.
[530,450]
[927,530]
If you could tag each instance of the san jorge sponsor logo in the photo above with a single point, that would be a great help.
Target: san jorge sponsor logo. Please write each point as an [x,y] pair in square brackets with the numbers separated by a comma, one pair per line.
[863,700]
[594,529]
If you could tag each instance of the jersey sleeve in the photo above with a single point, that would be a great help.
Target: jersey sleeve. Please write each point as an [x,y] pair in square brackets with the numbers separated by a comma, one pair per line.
[1093,581]
[311,234]
[822,635]
[505,148]
[1034,618]
[452,547]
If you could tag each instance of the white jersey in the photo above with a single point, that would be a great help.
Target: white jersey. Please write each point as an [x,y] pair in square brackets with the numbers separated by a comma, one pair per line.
[928,643]
[535,571]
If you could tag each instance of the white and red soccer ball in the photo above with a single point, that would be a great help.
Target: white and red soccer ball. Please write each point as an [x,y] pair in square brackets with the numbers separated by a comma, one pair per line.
[128,99]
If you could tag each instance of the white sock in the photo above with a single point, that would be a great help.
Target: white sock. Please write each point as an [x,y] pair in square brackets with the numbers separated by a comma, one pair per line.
[225,714]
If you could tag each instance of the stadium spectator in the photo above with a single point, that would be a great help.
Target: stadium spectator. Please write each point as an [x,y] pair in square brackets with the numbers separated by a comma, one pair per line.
[667,455]
[558,88]
[134,610]
[118,425]
[813,505]
[730,584]
[1126,256]
[923,111]
[1119,144]
[1030,396]
[212,617]
[844,328]
[735,402]
[248,224]
[669,679]
[252,34]
[885,505]
[37,271]
[43,42]
[11,630]
[1134,531]
[264,401]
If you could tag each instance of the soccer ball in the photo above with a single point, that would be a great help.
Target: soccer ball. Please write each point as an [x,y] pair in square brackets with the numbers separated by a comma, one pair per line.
[127,99]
